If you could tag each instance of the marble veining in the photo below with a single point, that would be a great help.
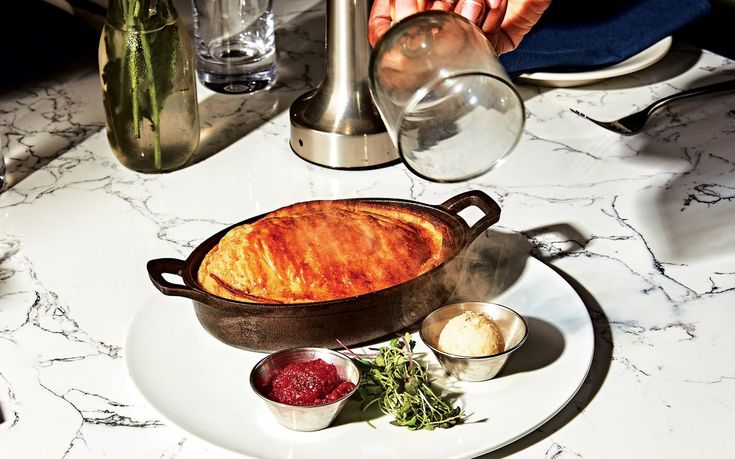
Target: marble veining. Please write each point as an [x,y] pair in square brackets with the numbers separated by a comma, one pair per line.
[641,226]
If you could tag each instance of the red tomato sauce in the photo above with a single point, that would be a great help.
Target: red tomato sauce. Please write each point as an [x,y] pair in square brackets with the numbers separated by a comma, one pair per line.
[315,382]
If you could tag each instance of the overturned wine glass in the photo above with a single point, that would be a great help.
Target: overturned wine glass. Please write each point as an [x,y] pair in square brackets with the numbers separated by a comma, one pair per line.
[448,105]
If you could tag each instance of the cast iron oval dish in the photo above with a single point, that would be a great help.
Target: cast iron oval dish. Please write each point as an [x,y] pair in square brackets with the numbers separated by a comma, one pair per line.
[359,319]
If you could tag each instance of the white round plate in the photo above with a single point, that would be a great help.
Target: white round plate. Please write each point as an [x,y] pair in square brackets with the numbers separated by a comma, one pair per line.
[201,384]
[645,58]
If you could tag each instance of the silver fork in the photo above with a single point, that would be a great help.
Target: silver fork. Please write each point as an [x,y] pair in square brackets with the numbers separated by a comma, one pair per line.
[633,123]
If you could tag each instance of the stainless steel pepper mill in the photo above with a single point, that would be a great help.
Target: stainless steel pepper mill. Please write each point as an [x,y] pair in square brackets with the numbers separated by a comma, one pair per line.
[337,125]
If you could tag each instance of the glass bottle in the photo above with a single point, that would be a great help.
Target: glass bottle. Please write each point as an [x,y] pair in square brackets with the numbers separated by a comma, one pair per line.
[149,85]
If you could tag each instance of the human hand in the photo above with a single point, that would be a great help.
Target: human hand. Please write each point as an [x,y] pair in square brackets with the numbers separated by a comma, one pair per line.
[504,22]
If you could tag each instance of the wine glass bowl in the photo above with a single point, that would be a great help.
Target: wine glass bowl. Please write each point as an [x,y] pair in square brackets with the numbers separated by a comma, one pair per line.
[448,105]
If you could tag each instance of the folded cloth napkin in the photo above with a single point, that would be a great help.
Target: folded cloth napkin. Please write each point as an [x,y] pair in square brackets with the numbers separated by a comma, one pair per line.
[577,35]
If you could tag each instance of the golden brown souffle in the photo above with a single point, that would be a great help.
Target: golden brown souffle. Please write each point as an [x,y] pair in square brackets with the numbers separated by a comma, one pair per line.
[323,250]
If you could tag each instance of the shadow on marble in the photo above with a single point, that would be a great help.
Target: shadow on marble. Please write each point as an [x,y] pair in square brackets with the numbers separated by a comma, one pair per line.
[45,106]
[543,347]
[2,419]
[225,118]
[695,210]
[688,213]
[601,360]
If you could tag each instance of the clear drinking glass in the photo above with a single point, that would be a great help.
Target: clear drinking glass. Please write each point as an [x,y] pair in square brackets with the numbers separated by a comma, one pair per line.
[447,103]
[235,44]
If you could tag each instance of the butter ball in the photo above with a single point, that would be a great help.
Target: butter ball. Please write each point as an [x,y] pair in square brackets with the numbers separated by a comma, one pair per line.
[471,334]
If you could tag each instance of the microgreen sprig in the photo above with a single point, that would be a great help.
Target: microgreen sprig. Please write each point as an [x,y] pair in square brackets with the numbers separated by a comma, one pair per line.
[400,387]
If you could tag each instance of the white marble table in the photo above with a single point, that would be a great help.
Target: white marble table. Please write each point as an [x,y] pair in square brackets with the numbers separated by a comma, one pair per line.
[642,228]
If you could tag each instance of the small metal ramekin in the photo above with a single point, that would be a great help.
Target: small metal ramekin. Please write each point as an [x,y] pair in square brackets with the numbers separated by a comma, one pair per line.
[481,368]
[303,418]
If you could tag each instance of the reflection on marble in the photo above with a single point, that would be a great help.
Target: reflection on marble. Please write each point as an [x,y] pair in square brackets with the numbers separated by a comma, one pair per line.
[641,226]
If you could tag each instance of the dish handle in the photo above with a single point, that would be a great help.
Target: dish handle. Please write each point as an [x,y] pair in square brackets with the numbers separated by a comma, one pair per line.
[160,266]
[480,200]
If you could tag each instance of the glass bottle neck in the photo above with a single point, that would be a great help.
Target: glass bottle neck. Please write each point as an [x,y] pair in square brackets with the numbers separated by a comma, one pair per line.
[143,15]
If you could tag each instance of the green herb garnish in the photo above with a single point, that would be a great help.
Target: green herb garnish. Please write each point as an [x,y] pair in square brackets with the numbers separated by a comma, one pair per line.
[400,387]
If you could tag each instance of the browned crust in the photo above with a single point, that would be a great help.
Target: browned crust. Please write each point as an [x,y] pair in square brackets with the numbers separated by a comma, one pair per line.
[324,250]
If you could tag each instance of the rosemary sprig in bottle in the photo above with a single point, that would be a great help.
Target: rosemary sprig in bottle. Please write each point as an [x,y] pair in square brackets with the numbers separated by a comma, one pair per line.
[135,19]
[141,67]
[401,388]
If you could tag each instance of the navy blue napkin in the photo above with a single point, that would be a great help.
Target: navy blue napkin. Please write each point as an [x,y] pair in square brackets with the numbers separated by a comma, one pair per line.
[577,35]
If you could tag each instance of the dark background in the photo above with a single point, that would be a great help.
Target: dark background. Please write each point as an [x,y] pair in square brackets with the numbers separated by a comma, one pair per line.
[38,40]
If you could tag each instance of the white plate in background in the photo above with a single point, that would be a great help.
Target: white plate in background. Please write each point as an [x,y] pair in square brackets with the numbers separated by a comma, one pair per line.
[645,58]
